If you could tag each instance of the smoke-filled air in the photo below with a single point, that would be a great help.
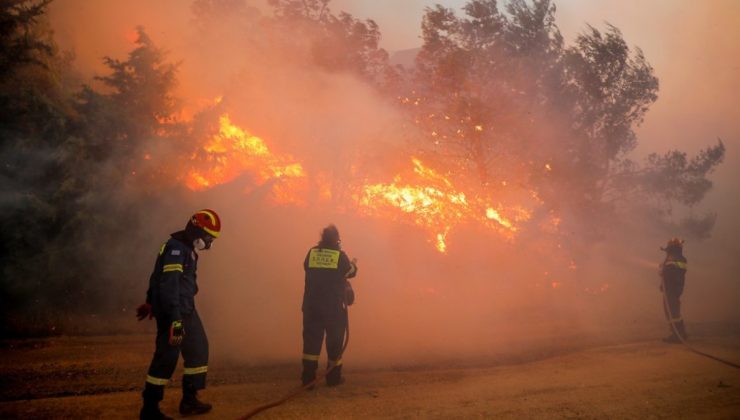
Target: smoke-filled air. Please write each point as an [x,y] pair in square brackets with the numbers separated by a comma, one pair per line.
[499,176]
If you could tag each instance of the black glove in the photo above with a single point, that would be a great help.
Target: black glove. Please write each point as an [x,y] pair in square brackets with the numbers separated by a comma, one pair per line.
[176,333]
[143,311]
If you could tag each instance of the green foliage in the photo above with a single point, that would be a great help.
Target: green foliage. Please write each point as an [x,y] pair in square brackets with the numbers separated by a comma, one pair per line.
[18,44]
[136,108]
[611,90]
[68,162]
[675,177]
[338,43]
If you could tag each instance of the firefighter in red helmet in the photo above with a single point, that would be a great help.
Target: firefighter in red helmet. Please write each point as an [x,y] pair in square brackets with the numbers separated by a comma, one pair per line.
[325,299]
[673,276]
[171,300]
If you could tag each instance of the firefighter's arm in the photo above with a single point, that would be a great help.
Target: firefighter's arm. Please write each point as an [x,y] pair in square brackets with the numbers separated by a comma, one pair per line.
[349,268]
[145,309]
[169,283]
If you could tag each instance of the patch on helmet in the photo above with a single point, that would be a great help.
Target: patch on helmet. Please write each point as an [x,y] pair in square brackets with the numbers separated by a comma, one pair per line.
[175,252]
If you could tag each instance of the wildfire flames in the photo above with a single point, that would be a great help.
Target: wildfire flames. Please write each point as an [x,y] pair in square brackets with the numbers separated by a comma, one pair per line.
[232,152]
[434,204]
[424,197]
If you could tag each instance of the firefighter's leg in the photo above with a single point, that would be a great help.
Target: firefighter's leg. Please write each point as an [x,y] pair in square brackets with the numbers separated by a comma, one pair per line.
[160,371]
[674,315]
[677,318]
[313,335]
[336,324]
[195,355]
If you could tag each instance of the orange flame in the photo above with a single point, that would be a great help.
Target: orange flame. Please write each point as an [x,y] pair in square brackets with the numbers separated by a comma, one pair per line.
[233,151]
[424,197]
[436,206]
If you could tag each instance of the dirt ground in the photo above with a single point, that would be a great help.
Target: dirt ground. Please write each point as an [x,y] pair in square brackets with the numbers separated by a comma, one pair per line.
[89,377]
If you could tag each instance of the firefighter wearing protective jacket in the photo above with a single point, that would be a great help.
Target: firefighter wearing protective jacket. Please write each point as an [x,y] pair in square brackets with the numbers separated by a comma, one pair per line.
[673,275]
[325,298]
[171,300]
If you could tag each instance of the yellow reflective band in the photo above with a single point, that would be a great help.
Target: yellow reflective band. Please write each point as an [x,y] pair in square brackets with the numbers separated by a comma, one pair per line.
[679,264]
[323,258]
[195,370]
[210,232]
[156,381]
[172,267]
[161,250]
[337,363]
[310,356]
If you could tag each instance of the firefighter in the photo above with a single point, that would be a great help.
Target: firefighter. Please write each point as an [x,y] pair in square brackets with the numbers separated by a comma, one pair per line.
[170,299]
[673,275]
[325,302]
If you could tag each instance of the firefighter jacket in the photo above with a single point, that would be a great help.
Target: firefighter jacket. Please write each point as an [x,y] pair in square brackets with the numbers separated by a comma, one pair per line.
[172,285]
[326,272]
[673,272]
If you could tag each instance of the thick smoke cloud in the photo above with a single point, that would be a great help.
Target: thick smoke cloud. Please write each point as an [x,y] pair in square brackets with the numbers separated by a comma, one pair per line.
[486,297]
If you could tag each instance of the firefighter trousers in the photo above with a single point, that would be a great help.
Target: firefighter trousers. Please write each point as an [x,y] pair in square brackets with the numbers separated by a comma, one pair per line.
[317,320]
[672,310]
[194,349]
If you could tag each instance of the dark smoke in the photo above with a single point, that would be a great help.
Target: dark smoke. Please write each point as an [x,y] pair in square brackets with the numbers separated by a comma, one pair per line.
[87,211]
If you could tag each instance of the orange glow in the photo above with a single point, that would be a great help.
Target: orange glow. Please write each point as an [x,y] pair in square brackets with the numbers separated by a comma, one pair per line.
[132,35]
[434,204]
[233,151]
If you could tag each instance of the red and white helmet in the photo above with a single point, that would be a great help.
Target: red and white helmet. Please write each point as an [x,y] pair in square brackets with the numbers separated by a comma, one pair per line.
[208,221]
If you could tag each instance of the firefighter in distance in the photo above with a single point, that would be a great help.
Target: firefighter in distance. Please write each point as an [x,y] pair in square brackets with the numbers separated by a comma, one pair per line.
[673,276]
[170,299]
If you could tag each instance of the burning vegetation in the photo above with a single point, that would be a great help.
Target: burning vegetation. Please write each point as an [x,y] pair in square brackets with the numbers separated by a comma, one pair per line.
[499,127]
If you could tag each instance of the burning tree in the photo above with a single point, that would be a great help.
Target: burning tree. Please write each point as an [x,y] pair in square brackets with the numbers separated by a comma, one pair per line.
[501,94]
[505,127]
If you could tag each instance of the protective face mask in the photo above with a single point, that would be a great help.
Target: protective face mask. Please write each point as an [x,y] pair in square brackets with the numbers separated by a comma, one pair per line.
[199,244]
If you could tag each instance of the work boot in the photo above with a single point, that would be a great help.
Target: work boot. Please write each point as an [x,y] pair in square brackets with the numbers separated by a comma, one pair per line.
[308,375]
[335,382]
[334,375]
[191,405]
[151,412]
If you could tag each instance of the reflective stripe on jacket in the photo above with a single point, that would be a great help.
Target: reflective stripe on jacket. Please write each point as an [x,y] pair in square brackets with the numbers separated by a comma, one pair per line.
[173,282]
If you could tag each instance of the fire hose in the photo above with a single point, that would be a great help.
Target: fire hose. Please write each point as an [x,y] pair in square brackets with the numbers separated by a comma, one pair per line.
[681,337]
[310,385]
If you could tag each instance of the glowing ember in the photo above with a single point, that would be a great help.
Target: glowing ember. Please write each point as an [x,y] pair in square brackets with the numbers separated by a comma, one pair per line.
[233,151]
[433,203]
[493,215]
